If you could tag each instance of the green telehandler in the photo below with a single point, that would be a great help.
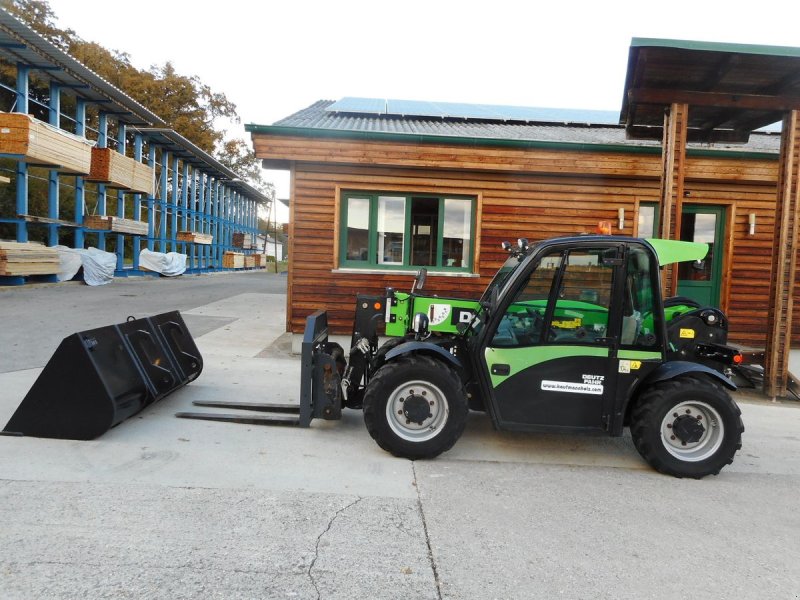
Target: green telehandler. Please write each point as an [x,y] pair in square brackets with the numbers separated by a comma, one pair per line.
[572,334]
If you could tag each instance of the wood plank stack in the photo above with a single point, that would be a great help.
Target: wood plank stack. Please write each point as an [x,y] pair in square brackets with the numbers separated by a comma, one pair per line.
[195,237]
[233,260]
[27,259]
[259,260]
[119,171]
[249,261]
[38,143]
[117,224]
[242,240]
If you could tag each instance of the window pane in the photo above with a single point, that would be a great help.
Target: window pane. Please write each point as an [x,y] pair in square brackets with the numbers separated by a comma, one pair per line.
[456,234]
[647,221]
[424,231]
[638,324]
[357,229]
[699,227]
[391,229]
[581,311]
[522,323]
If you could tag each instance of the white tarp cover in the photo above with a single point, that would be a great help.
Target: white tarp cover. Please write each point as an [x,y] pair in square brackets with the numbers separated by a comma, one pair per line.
[70,262]
[98,266]
[169,264]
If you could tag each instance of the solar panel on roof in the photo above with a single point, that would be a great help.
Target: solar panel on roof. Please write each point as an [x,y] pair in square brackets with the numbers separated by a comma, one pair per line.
[359,105]
[455,110]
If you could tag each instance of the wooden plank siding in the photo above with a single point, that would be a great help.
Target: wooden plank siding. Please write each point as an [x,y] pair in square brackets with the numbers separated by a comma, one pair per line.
[534,193]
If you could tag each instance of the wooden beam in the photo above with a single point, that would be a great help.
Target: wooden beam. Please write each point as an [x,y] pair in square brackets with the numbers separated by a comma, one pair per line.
[715,99]
[673,165]
[784,257]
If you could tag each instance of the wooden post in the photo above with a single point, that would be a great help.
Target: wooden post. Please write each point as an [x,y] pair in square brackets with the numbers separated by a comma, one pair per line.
[673,162]
[784,257]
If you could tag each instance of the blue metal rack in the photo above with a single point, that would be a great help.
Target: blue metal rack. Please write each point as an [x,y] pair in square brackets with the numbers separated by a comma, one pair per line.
[194,191]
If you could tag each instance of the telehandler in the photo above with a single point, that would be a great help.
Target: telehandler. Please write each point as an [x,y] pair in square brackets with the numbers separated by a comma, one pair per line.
[571,335]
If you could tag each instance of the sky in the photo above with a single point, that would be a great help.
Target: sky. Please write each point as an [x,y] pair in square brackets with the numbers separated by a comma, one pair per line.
[274,58]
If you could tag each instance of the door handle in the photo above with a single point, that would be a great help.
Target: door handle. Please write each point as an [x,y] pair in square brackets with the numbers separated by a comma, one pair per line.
[501,369]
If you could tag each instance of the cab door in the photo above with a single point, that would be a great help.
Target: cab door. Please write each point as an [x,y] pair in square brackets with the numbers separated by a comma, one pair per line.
[547,348]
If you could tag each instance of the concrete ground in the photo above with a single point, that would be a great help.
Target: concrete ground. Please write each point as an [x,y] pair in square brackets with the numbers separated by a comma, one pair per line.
[161,507]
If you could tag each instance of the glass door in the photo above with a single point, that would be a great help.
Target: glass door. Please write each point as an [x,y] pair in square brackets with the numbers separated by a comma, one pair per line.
[701,280]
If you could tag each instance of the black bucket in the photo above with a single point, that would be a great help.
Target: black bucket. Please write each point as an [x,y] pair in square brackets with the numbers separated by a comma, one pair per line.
[98,378]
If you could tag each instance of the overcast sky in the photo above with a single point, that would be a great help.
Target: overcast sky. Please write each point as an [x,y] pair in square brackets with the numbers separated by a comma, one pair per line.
[274,58]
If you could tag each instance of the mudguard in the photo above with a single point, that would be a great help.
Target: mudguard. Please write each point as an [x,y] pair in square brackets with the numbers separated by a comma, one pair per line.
[676,368]
[422,347]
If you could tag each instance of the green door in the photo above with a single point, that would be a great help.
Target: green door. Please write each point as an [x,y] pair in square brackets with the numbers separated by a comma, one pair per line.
[702,280]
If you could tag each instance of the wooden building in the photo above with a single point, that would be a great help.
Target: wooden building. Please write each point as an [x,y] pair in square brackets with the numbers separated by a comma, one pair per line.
[381,187]
[511,183]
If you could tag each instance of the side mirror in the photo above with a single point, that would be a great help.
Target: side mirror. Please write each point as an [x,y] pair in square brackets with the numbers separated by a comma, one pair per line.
[419,280]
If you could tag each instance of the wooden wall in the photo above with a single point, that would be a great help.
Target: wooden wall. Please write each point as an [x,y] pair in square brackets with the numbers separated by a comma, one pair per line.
[533,193]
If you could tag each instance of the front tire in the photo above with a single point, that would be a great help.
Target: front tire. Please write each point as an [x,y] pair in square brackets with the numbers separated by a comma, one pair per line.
[687,427]
[415,407]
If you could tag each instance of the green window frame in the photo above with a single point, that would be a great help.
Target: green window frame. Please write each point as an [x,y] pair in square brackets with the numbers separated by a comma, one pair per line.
[379,240]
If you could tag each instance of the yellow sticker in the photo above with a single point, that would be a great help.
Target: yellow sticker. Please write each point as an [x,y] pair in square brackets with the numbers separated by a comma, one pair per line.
[636,364]
[573,324]
[687,333]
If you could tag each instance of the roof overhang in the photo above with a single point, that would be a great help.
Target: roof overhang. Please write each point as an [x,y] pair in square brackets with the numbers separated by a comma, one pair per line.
[731,89]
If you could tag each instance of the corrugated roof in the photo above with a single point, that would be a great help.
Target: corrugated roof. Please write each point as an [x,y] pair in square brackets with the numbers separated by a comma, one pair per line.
[472,112]
[317,116]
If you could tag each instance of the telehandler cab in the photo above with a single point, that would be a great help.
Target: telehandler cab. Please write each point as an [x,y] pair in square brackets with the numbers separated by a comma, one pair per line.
[571,334]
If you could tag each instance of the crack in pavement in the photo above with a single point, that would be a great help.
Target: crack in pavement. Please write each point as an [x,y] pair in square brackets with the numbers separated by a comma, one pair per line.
[427,536]
[319,539]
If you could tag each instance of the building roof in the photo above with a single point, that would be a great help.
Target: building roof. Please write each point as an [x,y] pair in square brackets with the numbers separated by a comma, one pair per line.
[320,119]
[731,89]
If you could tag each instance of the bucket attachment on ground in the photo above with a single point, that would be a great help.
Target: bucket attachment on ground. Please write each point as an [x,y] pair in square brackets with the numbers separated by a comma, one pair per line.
[322,364]
[98,378]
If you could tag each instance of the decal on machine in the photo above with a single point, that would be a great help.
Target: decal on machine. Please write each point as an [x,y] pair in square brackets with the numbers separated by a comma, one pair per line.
[462,315]
[438,313]
[592,384]
[626,366]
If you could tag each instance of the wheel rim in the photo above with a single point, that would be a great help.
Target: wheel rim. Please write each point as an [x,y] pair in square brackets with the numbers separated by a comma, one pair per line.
[692,431]
[405,411]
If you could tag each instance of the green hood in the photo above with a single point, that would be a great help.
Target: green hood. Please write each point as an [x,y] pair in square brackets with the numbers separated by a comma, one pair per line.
[672,251]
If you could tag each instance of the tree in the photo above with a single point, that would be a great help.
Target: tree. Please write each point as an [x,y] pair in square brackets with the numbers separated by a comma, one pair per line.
[185,103]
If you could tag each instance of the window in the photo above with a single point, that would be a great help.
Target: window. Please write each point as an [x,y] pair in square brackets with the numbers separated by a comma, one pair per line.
[639,327]
[577,309]
[390,230]
[648,221]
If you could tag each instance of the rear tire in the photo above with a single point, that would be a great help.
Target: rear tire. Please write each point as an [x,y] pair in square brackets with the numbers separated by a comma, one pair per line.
[687,427]
[415,407]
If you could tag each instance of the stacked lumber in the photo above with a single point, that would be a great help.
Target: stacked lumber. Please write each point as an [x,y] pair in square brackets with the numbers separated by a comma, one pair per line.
[249,261]
[259,260]
[194,237]
[119,171]
[116,224]
[233,260]
[27,259]
[41,144]
[242,240]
